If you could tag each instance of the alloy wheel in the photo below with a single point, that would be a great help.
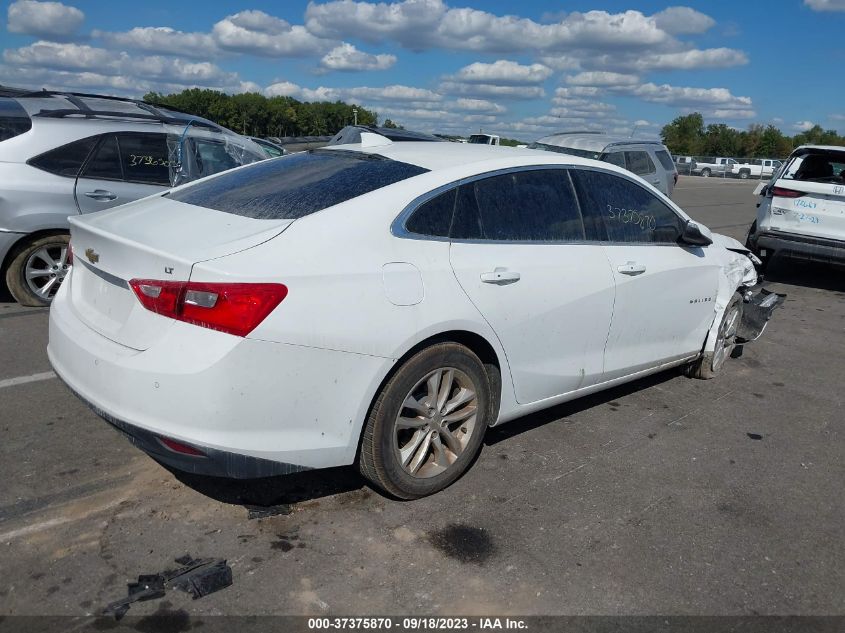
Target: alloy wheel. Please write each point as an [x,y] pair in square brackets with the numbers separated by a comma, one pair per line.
[45,269]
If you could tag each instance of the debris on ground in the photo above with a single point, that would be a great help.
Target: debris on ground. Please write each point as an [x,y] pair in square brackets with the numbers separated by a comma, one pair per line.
[755,436]
[262,512]
[198,577]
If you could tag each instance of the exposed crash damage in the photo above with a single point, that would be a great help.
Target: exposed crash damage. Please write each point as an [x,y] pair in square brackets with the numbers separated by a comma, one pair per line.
[742,308]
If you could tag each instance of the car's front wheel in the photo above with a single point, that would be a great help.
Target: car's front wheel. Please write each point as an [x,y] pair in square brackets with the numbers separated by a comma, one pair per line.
[427,423]
[37,269]
[711,363]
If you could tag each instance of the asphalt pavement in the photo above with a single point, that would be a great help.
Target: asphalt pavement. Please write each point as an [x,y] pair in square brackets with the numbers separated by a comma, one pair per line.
[665,496]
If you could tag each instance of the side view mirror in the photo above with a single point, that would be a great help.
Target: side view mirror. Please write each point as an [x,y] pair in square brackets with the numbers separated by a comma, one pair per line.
[691,234]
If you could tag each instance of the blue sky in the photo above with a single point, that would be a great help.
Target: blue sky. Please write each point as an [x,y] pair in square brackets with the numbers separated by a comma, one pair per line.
[519,69]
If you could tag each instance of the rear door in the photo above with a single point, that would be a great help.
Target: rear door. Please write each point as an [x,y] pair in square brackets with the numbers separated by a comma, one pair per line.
[664,292]
[519,252]
[812,195]
[667,174]
[123,168]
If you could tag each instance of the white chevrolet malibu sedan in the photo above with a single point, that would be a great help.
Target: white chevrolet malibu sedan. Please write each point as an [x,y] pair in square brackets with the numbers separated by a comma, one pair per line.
[382,304]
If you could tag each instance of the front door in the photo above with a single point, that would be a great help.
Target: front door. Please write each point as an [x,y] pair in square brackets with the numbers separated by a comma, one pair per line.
[519,252]
[665,292]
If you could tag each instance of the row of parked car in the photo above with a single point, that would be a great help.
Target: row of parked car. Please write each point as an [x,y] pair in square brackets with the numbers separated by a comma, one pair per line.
[743,168]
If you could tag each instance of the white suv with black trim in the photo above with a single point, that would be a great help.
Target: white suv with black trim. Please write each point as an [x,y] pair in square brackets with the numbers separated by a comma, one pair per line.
[801,213]
[64,154]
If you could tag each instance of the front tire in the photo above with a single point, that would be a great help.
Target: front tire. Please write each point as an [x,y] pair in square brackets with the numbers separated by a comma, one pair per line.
[427,423]
[711,363]
[37,269]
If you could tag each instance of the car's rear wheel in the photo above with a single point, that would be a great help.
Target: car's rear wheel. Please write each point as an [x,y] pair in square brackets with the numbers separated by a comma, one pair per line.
[37,269]
[711,363]
[427,423]
[705,172]
[744,174]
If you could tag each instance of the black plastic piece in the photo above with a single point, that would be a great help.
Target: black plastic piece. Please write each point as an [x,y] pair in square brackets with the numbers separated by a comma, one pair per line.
[198,577]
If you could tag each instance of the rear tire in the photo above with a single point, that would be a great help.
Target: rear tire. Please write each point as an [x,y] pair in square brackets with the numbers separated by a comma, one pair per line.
[711,363]
[409,448]
[744,174]
[705,173]
[37,269]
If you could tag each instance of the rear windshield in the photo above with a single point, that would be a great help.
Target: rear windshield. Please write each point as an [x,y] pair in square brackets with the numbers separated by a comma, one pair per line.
[13,119]
[821,167]
[297,185]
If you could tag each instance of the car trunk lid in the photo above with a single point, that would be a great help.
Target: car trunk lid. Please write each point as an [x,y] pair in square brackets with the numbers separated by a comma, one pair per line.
[810,208]
[155,238]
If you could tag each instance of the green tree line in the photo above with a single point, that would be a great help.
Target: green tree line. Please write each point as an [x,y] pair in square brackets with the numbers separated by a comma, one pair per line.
[254,114]
[688,135]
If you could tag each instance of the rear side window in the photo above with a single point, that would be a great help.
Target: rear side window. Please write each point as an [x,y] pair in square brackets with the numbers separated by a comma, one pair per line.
[628,211]
[14,120]
[523,206]
[105,163]
[639,163]
[297,185]
[434,217]
[665,159]
[145,158]
[67,159]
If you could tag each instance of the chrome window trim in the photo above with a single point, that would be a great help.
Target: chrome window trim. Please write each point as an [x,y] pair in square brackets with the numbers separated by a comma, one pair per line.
[398,228]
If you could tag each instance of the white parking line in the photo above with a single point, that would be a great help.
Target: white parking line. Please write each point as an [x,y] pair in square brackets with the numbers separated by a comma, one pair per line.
[22,380]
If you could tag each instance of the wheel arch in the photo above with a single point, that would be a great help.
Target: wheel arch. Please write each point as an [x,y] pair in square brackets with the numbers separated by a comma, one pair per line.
[26,237]
[494,361]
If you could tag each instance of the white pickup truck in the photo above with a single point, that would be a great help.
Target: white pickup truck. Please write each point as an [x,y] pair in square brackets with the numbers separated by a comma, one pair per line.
[756,168]
[713,166]
[484,139]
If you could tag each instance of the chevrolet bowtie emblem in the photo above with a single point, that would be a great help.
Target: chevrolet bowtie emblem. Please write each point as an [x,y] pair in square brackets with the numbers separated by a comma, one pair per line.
[92,255]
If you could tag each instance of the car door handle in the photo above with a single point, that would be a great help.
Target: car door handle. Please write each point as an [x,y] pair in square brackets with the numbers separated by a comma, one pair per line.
[101,194]
[631,268]
[500,276]
[655,182]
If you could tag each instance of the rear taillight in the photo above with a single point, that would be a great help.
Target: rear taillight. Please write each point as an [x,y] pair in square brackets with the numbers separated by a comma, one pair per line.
[69,258]
[233,308]
[786,193]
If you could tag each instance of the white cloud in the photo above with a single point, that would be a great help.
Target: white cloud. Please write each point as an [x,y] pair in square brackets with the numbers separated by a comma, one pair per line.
[602,78]
[676,60]
[826,5]
[162,40]
[99,62]
[257,33]
[836,117]
[491,90]
[423,24]
[348,58]
[44,19]
[683,20]
[803,126]
[503,72]
[478,105]
[394,93]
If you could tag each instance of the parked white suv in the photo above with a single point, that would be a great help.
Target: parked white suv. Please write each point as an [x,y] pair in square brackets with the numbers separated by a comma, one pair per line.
[801,213]
[384,303]
[64,154]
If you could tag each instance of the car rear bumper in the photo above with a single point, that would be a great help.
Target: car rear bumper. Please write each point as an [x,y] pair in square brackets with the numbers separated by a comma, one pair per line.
[252,407]
[820,249]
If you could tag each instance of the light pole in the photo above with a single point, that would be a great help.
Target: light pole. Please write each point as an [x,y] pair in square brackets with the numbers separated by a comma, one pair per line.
[355,116]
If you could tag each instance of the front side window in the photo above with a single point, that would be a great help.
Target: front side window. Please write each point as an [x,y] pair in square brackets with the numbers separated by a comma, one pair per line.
[145,158]
[297,185]
[67,159]
[626,211]
[615,158]
[639,163]
[521,206]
